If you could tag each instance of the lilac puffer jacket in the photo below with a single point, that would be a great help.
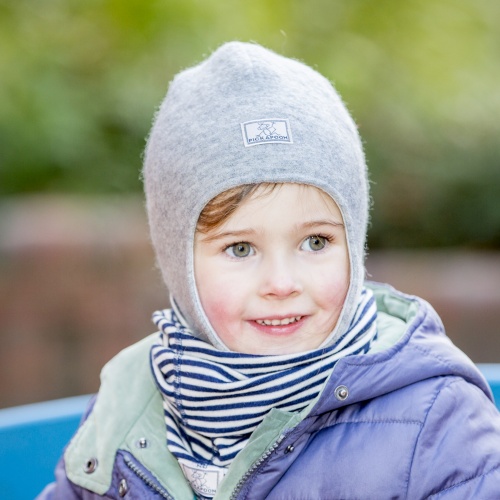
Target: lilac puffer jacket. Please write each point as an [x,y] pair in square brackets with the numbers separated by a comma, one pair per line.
[411,419]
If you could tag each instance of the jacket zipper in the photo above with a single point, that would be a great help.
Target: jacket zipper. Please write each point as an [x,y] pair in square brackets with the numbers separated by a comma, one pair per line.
[142,475]
[264,458]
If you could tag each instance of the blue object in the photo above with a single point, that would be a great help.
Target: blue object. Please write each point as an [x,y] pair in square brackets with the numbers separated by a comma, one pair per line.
[32,439]
[492,373]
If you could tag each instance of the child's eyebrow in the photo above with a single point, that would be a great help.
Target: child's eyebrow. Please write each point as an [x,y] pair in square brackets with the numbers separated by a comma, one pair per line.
[320,222]
[242,233]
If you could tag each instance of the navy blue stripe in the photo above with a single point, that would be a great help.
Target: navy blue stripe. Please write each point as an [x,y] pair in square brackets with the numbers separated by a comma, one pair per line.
[184,436]
[232,356]
[237,391]
[253,404]
[211,367]
[223,392]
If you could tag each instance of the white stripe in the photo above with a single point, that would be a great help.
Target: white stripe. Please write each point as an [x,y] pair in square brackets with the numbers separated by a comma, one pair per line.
[242,399]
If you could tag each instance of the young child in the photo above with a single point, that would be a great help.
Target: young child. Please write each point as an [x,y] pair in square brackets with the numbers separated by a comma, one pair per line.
[278,373]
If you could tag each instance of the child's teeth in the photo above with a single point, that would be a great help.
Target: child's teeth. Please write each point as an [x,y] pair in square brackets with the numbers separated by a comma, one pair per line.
[276,322]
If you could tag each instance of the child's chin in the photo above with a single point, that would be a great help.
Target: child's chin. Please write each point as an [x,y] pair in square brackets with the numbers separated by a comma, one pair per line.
[270,340]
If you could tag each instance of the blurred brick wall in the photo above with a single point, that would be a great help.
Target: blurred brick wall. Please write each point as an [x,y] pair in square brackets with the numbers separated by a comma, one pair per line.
[78,283]
[463,287]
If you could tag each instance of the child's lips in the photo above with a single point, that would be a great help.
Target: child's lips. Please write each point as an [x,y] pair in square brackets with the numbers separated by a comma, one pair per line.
[279,325]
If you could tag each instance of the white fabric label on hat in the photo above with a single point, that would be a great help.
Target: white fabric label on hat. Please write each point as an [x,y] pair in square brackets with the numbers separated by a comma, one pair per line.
[265,131]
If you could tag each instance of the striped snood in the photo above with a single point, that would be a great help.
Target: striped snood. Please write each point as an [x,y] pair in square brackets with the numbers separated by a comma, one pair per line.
[214,400]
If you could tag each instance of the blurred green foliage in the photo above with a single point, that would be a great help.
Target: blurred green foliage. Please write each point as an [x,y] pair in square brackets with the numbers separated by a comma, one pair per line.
[80,82]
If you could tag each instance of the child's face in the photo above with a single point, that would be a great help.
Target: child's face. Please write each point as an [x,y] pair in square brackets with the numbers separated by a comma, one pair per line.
[272,279]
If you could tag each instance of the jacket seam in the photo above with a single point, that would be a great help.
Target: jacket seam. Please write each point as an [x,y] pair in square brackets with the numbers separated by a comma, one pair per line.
[465,481]
[427,352]
[416,348]
[431,406]
[376,421]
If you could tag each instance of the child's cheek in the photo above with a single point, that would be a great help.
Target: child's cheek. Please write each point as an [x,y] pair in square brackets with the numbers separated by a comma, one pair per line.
[215,294]
[218,307]
[335,289]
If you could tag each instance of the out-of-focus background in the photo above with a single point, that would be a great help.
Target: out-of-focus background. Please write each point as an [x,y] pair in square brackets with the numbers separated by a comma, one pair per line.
[79,85]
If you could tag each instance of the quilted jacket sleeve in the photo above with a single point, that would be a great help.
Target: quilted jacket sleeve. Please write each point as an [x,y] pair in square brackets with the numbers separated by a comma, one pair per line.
[62,488]
[457,454]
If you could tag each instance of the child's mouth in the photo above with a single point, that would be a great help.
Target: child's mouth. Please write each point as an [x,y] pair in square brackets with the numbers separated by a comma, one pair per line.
[278,322]
[286,325]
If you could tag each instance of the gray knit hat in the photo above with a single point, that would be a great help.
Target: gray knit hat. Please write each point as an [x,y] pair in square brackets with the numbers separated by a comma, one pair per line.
[248,115]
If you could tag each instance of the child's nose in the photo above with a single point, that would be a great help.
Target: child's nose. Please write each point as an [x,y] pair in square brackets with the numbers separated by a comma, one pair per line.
[279,280]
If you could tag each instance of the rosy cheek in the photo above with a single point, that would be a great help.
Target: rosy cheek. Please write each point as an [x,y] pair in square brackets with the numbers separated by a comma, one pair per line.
[214,310]
[335,291]
[217,308]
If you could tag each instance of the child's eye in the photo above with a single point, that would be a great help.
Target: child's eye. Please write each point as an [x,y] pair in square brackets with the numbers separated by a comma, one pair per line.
[314,243]
[239,250]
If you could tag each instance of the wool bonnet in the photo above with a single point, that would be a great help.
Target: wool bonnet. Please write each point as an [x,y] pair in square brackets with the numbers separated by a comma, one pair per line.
[248,115]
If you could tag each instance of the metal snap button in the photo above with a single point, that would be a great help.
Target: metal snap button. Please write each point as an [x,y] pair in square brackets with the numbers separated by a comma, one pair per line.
[289,448]
[341,393]
[122,488]
[90,465]
[142,443]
